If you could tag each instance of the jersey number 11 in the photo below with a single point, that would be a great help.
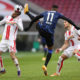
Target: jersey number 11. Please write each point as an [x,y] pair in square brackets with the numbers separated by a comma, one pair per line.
[50,18]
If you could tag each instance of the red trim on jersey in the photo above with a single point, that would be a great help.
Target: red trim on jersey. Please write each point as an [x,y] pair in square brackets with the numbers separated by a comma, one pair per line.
[69,33]
[78,54]
[61,65]
[72,42]
[8,32]
[1,61]
[11,19]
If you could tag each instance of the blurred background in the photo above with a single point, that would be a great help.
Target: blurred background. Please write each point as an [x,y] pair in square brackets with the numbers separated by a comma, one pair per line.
[28,41]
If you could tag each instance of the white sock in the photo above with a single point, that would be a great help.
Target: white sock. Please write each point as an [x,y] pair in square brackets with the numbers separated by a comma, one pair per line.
[17,64]
[60,64]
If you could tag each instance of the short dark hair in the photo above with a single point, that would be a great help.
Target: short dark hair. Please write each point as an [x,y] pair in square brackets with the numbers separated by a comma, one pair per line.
[54,6]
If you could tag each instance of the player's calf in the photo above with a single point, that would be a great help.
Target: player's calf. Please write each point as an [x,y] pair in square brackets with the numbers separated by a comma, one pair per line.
[1,65]
[60,65]
[16,63]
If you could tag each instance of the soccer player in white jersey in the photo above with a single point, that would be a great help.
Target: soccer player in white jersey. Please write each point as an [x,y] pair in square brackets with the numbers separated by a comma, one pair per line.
[70,47]
[12,24]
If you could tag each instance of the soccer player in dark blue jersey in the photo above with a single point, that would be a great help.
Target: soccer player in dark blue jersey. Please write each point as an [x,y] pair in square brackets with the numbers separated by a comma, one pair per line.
[46,29]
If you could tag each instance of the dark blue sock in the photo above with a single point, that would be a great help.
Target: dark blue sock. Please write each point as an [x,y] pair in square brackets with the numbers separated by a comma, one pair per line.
[48,57]
[45,52]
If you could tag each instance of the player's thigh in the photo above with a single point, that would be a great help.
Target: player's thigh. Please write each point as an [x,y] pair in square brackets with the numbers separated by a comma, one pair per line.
[50,41]
[3,46]
[68,52]
[43,43]
[12,47]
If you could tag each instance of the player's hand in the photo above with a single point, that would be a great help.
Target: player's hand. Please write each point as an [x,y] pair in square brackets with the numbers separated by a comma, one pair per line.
[11,22]
[26,9]
[70,37]
[57,51]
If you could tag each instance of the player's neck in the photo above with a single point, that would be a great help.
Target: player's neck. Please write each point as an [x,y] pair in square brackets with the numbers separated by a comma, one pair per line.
[69,28]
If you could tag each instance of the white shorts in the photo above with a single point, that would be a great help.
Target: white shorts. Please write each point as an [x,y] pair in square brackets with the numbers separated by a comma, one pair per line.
[69,51]
[7,45]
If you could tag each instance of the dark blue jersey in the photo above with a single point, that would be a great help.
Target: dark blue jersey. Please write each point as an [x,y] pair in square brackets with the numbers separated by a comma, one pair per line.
[43,41]
[50,19]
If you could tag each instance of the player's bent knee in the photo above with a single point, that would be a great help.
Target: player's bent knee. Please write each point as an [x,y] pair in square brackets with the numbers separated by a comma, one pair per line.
[64,56]
[60,58]
[12,56]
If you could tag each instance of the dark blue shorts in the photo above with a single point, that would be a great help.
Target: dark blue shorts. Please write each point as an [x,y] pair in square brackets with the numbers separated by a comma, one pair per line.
[48,37]
[43,41]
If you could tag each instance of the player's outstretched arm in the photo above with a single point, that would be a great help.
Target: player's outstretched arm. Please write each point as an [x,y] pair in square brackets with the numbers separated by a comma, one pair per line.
[64,46]
[70,21]
[20,25]
[34,20]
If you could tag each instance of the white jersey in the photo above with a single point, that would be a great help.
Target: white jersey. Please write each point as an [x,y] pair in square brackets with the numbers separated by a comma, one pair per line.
[73,41]
[10,30]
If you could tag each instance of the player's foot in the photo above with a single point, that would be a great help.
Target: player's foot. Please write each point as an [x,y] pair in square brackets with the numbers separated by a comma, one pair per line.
[55,74]
[26,9]
[79,60]
[43,58]
[44,70]
[3,71]
[19,73]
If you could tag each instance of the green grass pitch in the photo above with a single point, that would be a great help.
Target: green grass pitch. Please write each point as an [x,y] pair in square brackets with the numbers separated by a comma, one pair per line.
[31,64]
